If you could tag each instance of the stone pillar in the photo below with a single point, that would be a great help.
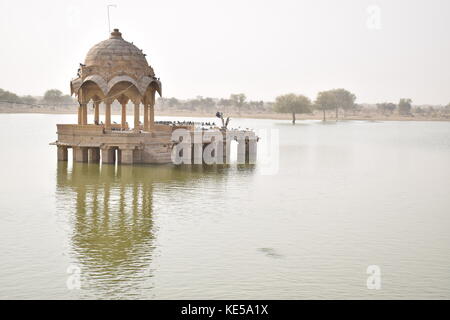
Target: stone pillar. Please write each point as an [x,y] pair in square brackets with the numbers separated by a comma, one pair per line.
[247,151]
[197,153]
[152,117]
[119,156]
[204,145]
[250,150]
[124,116]
[226,151]
[137,156]
[213,152]
[108,155]
[80,154]
[146,118]
[241,150]
[80,115]
[97,112]
[197,148]
[108,115]
[94,155]
[62,153]
[127,156]
[84,116]
[136,116]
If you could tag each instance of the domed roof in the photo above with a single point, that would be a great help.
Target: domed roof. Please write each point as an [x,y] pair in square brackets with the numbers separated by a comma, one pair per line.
[113,61]
[117,56]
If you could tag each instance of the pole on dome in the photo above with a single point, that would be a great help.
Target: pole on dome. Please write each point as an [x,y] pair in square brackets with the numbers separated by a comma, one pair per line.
[109,21]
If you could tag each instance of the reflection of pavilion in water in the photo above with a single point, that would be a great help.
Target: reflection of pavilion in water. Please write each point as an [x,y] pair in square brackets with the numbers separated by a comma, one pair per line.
[112,222]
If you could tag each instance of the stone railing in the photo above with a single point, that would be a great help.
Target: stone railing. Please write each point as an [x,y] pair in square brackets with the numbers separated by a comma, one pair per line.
[79,129]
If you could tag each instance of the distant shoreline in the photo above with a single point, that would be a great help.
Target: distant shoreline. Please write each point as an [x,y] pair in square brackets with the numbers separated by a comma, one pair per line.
[268,116]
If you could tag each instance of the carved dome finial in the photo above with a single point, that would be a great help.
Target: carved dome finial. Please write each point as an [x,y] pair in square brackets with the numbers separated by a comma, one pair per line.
[116,34]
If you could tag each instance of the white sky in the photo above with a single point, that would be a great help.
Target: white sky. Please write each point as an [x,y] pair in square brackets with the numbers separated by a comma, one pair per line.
[258,47]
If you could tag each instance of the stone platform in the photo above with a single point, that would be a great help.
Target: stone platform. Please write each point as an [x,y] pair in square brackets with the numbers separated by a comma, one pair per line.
[93,143]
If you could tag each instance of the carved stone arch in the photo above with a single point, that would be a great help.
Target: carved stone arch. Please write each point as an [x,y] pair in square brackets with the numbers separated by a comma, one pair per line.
[123,78]
[146,82]
[75,86]
[88,90]
[102,84]
[124,87]
[149,96]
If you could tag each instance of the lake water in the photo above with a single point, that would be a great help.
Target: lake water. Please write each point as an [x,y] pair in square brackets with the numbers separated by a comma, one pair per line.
[345,196]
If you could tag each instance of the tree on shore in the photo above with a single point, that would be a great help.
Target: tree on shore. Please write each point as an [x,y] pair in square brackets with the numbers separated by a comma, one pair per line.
[447,109]
[55,96]
[6,96]
[335,99]
[52,96]
[224,104]
[344,100]
[256,105]
[208,104]
[29,100]
[173,103]
[386,107]
[324,102]
[404,107]
[292,103]
[238,101]
[10,97]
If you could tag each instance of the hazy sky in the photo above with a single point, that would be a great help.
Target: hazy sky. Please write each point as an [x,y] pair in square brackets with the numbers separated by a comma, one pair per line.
[261,48]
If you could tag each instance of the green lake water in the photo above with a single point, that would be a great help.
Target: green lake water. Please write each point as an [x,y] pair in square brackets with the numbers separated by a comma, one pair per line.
[342,196]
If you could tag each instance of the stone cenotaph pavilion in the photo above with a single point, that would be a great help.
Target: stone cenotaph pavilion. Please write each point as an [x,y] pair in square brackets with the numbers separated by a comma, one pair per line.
[115,69]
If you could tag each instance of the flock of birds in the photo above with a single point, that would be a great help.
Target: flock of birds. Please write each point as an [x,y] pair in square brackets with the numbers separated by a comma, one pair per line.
[201,125]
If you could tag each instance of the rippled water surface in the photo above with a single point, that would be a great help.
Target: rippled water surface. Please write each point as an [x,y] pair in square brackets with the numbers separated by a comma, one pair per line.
[345,196]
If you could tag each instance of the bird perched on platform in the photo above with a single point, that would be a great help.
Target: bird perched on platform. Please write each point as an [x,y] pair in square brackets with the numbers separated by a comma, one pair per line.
[224,122]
